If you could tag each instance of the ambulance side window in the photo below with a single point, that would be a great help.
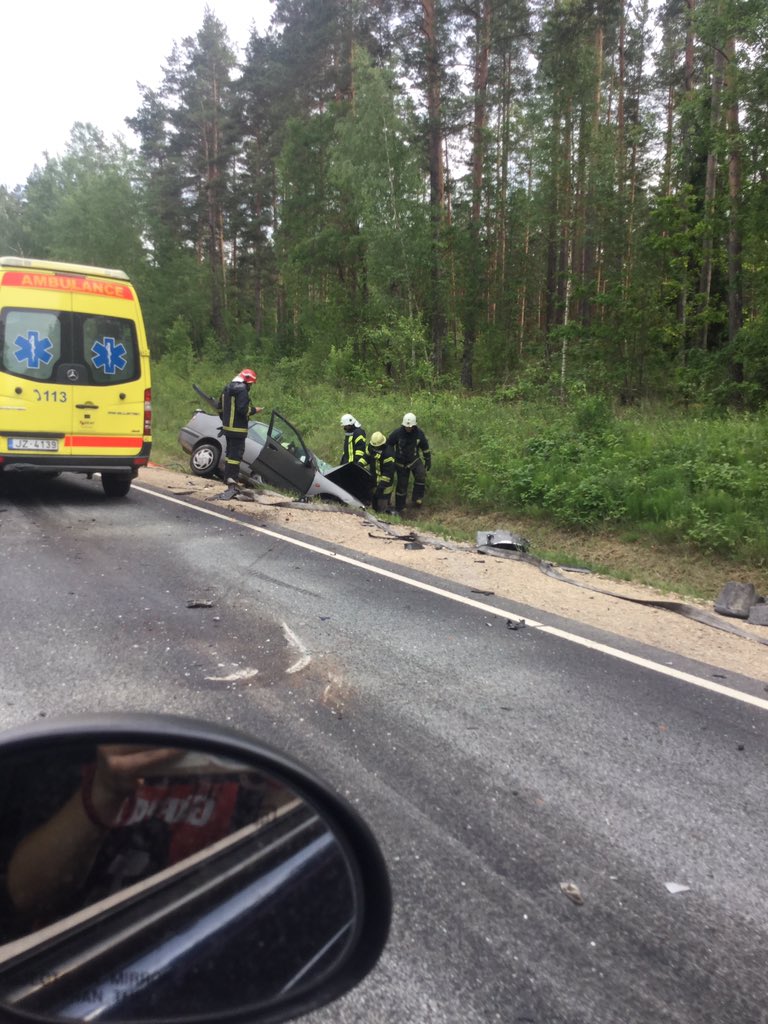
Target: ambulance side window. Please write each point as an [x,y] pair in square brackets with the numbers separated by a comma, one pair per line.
[109,349]
[31,342]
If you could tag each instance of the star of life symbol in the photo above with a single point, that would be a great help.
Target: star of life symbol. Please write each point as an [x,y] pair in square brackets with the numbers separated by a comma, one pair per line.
[109,355]
[33,350]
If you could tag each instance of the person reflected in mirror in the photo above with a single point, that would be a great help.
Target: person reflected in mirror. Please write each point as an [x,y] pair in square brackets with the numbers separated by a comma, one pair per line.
[412,456]
[380,457]
[235,410]
[354,441]
[135,811]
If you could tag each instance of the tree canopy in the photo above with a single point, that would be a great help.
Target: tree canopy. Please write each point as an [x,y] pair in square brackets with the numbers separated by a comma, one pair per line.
[469,192]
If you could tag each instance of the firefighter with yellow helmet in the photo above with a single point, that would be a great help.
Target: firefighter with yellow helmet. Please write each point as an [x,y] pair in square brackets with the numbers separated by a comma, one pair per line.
[380,458]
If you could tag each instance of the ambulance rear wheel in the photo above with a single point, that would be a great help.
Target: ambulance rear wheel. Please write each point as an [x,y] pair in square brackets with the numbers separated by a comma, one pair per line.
[116,485]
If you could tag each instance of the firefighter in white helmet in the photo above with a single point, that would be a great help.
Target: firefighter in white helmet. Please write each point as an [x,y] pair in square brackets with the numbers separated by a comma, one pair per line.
[354,441]
[412,455]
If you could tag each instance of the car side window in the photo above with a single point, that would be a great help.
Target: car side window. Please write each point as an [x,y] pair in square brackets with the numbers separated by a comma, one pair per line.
[257,431]
[288,437]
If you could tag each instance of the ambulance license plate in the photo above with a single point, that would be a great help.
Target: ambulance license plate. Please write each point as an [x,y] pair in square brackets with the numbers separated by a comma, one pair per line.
[32,444]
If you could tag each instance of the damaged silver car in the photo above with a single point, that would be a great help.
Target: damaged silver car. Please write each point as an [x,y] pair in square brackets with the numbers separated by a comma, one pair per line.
[275,454]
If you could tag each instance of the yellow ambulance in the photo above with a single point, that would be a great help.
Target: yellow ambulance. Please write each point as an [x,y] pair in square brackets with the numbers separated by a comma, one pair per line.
[74,372]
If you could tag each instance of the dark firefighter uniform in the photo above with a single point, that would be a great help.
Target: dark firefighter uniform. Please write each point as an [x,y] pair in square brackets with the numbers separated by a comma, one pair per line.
[380,458]
[235,408]
[411,447]
[355,442]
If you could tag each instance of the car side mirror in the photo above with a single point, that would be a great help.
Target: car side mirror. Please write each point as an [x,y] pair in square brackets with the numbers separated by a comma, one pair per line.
[156,868]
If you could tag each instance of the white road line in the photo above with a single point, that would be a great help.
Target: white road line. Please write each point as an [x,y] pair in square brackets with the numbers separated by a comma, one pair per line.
[488,609]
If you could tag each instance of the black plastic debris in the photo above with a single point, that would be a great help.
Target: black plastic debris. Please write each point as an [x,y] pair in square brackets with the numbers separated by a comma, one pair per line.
[512,624]
[413,545]
[502,539]
[226,495]
[234,494]
[199,604]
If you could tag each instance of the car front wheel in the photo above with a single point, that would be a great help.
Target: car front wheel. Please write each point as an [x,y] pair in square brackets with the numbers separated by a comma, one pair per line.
[204,460]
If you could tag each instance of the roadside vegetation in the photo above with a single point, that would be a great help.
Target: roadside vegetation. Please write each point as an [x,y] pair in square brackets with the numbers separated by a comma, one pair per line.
[676,498]
[540,226]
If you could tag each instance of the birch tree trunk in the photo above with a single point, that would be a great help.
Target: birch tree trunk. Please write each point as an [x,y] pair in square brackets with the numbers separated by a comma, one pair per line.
[437,321]
[475,276]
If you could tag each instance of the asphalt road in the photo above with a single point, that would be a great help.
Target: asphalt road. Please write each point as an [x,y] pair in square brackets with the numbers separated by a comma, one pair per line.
[493,763]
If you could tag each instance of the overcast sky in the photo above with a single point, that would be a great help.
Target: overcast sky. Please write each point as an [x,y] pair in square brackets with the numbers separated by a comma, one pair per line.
[67,62]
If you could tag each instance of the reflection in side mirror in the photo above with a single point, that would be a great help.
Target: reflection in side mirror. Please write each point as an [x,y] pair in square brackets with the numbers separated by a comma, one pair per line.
[154,868]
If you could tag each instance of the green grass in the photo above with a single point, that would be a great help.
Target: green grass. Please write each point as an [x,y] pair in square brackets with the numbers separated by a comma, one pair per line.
[582,477]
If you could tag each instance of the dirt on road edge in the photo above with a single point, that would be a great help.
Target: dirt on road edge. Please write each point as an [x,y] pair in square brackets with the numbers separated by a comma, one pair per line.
[485,575]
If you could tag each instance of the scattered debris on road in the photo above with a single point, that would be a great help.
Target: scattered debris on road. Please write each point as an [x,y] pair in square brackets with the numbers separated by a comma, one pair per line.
[736,599]
[240,676]
[572,891]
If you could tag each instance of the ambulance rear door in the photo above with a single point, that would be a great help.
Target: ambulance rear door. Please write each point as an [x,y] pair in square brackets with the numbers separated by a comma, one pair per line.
[112,374]
[36,398]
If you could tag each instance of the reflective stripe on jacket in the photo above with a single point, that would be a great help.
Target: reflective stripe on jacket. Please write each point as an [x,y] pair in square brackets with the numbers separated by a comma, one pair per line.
[381,464]
[354,448]
[235,406]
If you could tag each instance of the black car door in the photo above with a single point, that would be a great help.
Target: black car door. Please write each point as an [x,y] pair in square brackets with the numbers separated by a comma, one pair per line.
[285,461]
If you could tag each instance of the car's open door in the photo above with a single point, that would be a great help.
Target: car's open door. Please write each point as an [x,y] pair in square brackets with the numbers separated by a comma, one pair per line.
[285,461]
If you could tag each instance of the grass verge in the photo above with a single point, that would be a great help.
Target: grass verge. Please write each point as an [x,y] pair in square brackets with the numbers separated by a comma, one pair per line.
[698,485]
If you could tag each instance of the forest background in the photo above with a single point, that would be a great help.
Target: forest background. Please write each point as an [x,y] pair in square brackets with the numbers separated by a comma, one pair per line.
[540,224]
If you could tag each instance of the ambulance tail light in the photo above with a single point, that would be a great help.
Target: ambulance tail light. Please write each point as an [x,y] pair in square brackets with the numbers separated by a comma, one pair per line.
[148,412]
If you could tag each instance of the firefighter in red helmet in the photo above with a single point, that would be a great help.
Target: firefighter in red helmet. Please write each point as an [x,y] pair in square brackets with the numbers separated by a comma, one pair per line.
[235,408]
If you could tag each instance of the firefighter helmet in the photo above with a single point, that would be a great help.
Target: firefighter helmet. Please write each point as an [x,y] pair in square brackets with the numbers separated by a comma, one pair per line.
[377,439]
[348,420]
[248,376]
[409,420]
